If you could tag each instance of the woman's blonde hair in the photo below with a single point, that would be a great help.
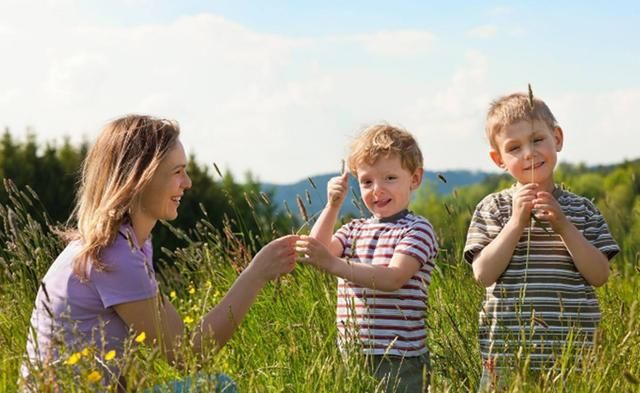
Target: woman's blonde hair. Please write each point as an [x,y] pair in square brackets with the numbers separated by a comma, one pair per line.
[116,169]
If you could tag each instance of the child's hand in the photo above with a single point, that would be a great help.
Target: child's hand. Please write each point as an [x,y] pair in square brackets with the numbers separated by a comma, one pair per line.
[337,189]
[548,209]
[523,204]
[315,253]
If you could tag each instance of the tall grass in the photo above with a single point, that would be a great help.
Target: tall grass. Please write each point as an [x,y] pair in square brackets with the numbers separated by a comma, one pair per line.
[287,341]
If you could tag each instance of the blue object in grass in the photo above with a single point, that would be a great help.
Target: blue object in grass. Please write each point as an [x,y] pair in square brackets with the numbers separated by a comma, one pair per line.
[200,383]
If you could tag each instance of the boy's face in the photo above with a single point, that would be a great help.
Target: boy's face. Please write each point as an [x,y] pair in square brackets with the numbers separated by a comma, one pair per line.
[528,151]
[386,186]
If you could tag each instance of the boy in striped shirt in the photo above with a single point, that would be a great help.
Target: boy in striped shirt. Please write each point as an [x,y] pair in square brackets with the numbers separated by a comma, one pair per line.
[538,249]
[384,262]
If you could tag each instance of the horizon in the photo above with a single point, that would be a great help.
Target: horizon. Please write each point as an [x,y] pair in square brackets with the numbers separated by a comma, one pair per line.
[491,171]
[300,80]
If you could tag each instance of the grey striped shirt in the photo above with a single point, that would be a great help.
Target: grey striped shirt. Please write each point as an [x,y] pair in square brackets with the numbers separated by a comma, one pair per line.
[541,301]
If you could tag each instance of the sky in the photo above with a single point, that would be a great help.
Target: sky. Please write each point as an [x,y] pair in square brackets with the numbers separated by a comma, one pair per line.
[280,88]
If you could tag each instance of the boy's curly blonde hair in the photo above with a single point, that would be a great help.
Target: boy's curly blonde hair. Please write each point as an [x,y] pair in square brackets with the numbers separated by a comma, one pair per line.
[384,140]
[513,108]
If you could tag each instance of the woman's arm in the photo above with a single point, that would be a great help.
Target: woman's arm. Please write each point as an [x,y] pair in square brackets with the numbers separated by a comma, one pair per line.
[158,319]
[162,324]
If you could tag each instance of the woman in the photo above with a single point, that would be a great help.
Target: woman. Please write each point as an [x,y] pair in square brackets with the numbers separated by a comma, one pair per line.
[102,287]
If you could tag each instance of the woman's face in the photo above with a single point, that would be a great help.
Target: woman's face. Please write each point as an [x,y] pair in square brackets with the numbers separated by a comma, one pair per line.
[161,197]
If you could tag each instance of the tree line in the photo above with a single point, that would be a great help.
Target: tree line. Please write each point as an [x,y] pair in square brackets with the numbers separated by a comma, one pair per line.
[48,176]
[219,207]
[615,189]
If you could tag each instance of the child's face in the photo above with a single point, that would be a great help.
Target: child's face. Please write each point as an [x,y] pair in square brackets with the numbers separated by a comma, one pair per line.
[386,186]
[528,151]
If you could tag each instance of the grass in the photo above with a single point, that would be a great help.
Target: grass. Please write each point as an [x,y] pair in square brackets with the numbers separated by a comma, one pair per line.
[287,341]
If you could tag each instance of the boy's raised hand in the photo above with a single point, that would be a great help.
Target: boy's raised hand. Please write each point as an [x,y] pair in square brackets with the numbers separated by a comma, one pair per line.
[337,189]
[523,204]
[548,209]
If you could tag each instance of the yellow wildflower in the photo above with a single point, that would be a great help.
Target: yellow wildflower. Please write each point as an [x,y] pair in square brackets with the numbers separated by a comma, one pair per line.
[86,351]
[192,290]
[172,294]
[188,320]
[141,337]
[94,376]
[73,359]
[110,355]
[208,283]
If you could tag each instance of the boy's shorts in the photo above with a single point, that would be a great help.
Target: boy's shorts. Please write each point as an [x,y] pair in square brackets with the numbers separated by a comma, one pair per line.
[397,374]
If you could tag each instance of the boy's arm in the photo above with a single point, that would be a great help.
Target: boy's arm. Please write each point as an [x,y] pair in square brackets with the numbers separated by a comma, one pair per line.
[589,260]
[492,260]
[384,278]
[322,230]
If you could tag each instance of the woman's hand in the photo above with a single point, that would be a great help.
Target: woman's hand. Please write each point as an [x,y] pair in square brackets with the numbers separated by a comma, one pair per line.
[275,259]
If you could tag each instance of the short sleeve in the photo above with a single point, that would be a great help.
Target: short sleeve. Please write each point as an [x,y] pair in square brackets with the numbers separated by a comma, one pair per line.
[344,234]
[484,227]
[596,231]
[128,277]
[419,242]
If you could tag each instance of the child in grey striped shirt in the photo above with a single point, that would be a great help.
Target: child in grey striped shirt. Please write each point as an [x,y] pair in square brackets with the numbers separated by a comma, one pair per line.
[538,249]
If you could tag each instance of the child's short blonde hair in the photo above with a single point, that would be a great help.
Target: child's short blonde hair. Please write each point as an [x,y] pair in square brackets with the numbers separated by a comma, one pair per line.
[383,140]
[513,108]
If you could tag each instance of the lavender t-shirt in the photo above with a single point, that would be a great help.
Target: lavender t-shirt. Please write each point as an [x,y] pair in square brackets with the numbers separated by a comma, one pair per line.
[83,313]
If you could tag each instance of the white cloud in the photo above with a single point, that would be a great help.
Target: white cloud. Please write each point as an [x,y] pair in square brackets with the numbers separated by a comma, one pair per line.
[467,83]
[283,107]
[396,43]
[500,11]
[493,31]
[484,31]
[597,126]
[451,119]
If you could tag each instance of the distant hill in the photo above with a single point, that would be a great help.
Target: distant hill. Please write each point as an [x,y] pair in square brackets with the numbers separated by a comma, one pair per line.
[443,182]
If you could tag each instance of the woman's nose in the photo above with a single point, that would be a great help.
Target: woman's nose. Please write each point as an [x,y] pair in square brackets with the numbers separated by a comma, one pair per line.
[187,183]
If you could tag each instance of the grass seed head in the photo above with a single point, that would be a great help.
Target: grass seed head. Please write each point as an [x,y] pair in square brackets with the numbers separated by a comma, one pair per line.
[217,169]
[302,208]
[265,198]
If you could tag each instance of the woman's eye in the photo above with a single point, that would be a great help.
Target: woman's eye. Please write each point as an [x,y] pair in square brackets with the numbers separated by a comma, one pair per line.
[513,148]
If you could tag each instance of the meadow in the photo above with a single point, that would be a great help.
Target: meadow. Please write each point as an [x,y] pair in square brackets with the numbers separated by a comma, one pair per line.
[287,341]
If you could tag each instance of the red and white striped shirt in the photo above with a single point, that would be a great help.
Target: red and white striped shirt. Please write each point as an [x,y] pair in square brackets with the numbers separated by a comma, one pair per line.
[386,322]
